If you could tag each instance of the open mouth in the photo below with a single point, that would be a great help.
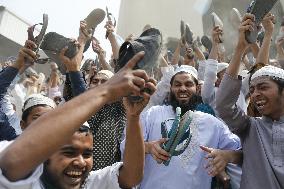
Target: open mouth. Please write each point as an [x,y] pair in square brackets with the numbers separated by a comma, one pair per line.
[183,96]
[260,104]
[74,177]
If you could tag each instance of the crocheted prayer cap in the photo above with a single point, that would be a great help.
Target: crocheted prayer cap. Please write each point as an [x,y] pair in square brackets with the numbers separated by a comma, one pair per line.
[221,66]
[270,71]
[188,69]
[107,73]
[38,99]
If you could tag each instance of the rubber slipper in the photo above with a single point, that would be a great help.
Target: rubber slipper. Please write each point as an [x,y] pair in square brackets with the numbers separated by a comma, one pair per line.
[53,43]
[259,8]
[236,18]
[95,18]
[206,42]
[217,22]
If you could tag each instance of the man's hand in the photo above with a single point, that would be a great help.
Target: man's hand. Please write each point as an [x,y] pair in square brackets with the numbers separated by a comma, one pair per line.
[215,34]
[84,34]
[127,81]
[246,25]
[268,23]
[109,26]
[135,108]
[96,45]
[73,64]
[98,49]
[154,148]
[217,160]
[26,56]
[130,38]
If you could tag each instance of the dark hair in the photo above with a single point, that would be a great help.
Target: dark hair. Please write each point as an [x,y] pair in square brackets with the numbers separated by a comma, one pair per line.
[85,129]
[183,72]
[27,112]
[279,82]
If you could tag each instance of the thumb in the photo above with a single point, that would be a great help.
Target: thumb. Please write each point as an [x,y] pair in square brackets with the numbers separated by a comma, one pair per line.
[162,140]
[134,60]
[206,149]
[63,51]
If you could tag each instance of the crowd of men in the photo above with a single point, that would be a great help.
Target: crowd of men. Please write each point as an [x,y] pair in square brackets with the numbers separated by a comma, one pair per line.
[102,125]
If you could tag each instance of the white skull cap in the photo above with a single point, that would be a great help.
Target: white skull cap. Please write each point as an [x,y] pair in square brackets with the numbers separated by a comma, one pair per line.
[107,73]
[38,99]
[221,66]
[270,71]
[188,69]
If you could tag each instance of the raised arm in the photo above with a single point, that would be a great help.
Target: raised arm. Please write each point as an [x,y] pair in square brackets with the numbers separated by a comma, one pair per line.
[75,77]
[8,74]
[176,54]
[230,86]
[268,24]
[207,90]
[112,37]
[280,52]
[24,155]
[101,56]
[134,153]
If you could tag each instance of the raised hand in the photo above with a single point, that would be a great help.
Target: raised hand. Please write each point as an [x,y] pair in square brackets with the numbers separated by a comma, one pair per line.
[109,26]
[73,64]
[84,33]
[135,108]
[26,56]
[127,81]
[246,25]
[268,23]
[215,34]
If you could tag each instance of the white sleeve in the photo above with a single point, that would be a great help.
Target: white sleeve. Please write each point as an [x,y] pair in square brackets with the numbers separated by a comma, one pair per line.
[28,183]
[106,178]
[201,69]
[163,88]
[208,88]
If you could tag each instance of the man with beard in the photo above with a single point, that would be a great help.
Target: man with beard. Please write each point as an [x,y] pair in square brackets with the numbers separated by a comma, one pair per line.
[185,170]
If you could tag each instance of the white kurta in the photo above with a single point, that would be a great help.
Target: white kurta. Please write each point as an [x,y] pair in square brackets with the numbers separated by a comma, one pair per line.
[186,170]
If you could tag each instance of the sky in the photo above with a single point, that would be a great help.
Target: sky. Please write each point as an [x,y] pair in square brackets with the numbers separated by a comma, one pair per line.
[64,16]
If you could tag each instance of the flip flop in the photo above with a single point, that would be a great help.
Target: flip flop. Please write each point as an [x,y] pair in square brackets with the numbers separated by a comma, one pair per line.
[188,35]
[217,22]
[150,41]
[39,38]
[95,18]
[182,30]
[53,43]
[236,18]
[206,42]
[259,8]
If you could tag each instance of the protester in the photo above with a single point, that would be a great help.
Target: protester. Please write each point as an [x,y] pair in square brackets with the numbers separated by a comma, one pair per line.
[260,136]
[20,166]
[186,169]
[120,130]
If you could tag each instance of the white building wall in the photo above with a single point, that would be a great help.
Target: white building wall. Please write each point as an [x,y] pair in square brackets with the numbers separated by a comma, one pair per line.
[13,27]
[162,14]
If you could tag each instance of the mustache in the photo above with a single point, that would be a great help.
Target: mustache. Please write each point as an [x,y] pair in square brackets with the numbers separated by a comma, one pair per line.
[191,105]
